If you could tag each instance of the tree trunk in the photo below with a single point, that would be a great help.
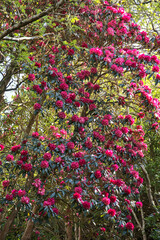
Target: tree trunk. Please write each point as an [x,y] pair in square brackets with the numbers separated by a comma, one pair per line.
[68,228]
[29,229]
[4,232]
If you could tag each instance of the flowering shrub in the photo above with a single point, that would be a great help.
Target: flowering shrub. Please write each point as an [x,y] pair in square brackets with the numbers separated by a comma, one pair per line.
[88,160]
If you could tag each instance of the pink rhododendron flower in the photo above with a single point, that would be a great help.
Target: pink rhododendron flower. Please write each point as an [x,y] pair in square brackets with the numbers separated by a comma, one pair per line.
[74,165]
[70,145]
[112,212]
[113,199]
[139,204]
[9,197]
[62,148]
[47,156]
[31,77]
[129,226]
[109,153]
[155,125]
[70,52]
[88,144]
[106,200]
[61,115]
[86,205]
[37,106]
[98,174]
[9,157]
[103,229]
[38,64]
[27,167]
[1,147]
[118,133]
[78,190]
[25,200]
[5,183]
[55,210]
[37,183]
[76,195]
[52,146]
[115,167]
[41,191]
[15,148]
[44,164]
[21,193]
[59,104]
[110,31]
[49,202]
[155,69]
[35,134]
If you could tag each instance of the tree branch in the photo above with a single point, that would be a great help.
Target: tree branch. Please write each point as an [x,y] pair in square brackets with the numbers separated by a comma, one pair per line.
[30,20]
[148,186]
[6,79]
[15,39]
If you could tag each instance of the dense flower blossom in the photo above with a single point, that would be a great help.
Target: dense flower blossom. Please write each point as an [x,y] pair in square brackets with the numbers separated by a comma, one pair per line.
[103,229]
[15,148]
[35,134]
[155,125]
[37,106]
[9,197]
[38,64]
[129,226]
[110,31]
[27,167]
[109,153]
[1,147]
[70,52]
[37,183]
[61,148]
[155,69]
[74,165]
[139,204]
[52,146]
[63,86]
[98,174]
[88,144]
[118,133]
[25,200]
[59,104]
[115,167]
[5,183]
[47,156]
[70,145]
[44,164]
[76,195]
[106,200]
[86,205]
[105,122]
[78,190]
[61,115]
[49,202]
[113,199]
[82,162]
[55,210]
[112,212]
[9,157]
[21,193]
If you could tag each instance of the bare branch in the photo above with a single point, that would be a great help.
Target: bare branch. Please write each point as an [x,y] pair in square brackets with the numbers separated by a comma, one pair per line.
[15,39]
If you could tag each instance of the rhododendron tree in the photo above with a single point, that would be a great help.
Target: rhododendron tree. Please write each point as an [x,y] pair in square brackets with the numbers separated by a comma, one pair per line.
[77,152]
